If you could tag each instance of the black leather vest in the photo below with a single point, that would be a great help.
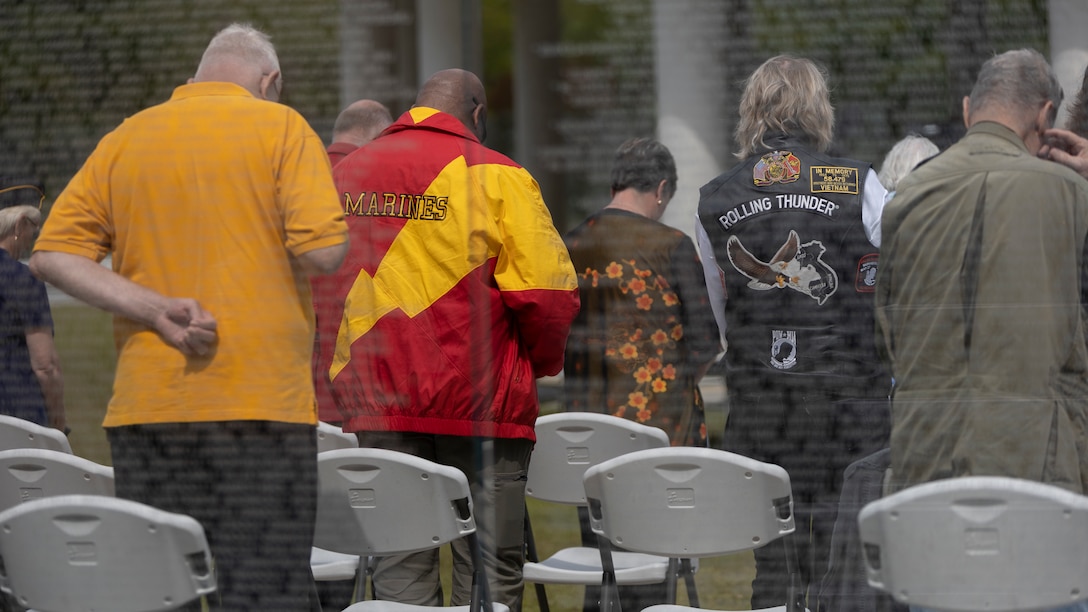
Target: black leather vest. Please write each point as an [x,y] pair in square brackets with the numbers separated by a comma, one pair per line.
[799,272]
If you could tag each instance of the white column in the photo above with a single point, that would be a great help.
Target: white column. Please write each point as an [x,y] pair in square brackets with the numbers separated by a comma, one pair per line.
[691,87]
[449,34]
[536,107]
[1068,46]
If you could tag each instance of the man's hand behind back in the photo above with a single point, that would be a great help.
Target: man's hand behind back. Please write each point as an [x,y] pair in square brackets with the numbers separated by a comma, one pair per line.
[186,326]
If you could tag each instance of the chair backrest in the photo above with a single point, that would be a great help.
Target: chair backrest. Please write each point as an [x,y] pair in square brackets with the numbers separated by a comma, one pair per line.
[567,443]
[978,543]
[688,502]
[331,437]
[90,552]
[381,502]
[32,473]
[20,433]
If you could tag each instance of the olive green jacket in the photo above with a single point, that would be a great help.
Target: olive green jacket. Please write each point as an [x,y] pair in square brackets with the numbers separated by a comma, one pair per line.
[980,308]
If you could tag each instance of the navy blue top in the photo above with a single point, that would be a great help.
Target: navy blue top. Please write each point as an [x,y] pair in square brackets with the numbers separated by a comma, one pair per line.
[23,305]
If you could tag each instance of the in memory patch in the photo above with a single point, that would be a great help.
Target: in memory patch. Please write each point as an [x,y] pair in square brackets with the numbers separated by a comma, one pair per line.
[833,179]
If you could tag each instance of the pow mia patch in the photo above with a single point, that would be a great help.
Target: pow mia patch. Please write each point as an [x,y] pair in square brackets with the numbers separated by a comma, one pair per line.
[776,167]
[865,280]
[833,179]
[783,348]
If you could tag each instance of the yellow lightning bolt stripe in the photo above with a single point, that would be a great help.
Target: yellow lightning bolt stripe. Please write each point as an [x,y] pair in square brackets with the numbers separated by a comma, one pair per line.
[425,260]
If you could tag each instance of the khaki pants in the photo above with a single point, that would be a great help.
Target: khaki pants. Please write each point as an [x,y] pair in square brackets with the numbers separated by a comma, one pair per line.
[496,470]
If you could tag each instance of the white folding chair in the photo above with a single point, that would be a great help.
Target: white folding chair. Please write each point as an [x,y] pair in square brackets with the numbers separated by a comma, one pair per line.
[567,443]
[20,433]
[979,543]
[330,437]
[685,502]
[33,473]
[376,502]
[326,565]
[92,552]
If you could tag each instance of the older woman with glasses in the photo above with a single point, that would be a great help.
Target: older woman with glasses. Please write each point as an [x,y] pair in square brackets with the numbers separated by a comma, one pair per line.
[31,385]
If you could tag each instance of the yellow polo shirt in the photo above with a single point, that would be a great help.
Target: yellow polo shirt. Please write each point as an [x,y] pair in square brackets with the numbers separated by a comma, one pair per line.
[208,195]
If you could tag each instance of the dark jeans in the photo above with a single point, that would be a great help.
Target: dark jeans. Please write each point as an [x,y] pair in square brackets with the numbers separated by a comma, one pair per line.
[251,484]
[814,439]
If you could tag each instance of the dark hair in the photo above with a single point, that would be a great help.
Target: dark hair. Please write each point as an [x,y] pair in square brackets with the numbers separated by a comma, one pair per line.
[642,163]
[1077,120]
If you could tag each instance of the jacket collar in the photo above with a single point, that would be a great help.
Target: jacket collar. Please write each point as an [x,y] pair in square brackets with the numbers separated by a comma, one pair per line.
[778,140]
[432,119]
[997,130]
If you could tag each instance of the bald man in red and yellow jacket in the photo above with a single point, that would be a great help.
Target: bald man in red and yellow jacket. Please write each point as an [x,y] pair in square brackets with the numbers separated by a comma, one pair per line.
[457,294]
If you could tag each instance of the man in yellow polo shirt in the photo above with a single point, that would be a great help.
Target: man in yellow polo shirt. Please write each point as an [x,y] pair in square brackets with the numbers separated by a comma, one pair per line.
[216,206]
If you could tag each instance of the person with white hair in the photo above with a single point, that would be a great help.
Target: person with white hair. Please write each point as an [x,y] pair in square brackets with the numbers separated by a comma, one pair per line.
[903,157]
[216,206]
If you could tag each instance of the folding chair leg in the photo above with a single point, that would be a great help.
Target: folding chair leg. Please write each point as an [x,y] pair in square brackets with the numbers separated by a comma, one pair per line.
[670,581]
[795,599]
[480,600]
[363,575]
[610,595]
[532,555]
[687,570]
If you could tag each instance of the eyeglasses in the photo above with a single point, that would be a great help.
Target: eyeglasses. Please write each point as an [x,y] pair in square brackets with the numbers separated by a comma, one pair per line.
[34,187]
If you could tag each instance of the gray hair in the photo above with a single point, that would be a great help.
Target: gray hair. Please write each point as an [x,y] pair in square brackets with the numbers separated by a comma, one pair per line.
[1019,80]
[10,217]
[904,157]
[786,94]
[641,164]
[241,42]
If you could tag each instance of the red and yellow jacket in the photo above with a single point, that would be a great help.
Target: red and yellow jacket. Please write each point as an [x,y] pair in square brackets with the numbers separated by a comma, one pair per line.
[457,292]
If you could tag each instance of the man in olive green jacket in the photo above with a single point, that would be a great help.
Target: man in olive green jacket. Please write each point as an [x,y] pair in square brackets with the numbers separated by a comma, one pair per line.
[981,295]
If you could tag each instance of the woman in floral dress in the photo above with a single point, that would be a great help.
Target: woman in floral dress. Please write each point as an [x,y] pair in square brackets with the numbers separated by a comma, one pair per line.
[645,334]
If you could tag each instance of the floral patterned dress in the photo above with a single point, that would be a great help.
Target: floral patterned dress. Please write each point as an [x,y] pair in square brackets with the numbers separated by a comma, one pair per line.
[645,325]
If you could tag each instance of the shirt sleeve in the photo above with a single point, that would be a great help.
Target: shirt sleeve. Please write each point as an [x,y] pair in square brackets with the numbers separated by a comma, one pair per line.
[313,216]
[872,207]
[533,271]
[701,335]
[715,285]
[79,222]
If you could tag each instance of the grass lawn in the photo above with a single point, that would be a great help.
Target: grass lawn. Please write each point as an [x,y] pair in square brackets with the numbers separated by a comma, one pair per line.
[88,359]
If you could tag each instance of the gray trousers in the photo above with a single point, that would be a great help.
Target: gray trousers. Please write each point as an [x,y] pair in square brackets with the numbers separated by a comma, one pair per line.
[496,469]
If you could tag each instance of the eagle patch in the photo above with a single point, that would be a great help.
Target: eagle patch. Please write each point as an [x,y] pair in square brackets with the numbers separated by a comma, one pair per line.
[795,266]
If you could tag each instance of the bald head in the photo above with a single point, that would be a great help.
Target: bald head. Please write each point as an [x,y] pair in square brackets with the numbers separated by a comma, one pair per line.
[361,122]
[243,55]
[459,93]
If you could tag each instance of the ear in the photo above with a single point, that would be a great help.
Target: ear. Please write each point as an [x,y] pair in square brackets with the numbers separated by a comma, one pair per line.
[189,81]
[268,84]
[479,121]
[967,112]
[661,190]
[1045,119]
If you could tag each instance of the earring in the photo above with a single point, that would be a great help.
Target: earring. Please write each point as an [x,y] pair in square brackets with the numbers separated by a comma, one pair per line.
[659,201]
